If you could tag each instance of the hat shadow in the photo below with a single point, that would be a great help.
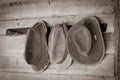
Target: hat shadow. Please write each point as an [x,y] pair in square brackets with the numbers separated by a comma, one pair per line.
[103,27]
[48,30]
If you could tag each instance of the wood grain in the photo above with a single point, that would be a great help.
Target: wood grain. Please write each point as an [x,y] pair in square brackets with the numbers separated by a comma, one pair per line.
[101,71]
[19,61]
[38,76]
[116,5]
[16,64]
[101,3]
[69,7]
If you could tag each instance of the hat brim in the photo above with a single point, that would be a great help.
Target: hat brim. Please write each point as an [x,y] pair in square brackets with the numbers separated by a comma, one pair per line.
[97,50]
[36,51]
[65,64]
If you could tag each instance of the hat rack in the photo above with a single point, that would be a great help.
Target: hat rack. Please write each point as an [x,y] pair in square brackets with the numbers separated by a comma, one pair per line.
[23,31]
[16,31]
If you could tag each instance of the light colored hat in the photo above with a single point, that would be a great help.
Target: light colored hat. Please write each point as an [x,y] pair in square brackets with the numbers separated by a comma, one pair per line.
[85,41]
[36,50]
[57,46]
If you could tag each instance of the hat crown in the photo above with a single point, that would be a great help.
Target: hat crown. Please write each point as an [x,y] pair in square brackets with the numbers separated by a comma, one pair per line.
[82,40]
[57,44]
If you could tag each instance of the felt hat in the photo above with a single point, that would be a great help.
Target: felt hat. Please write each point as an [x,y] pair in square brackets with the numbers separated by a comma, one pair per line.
[58,48]
[36,50]
[85,41]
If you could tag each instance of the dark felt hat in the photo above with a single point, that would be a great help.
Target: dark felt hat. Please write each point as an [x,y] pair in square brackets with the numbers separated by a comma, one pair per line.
[58,48]
[85,41]
[36,50]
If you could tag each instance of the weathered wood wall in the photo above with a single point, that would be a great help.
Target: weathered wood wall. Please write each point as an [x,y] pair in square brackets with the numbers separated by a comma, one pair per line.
[116,4]
[25,13]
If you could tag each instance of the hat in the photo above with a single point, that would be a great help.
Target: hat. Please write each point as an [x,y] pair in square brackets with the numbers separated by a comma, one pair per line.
[58,48]
[85,41]
[36,50]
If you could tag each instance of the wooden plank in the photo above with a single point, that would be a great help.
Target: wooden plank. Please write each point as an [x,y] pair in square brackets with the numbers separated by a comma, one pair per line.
[101,3]
[6,3]
[110,47]
[69,7]
[70,20]
[116,6]
[38,76]
[19,61]
[15,60]
[16,45]
[12,44]
[102,70]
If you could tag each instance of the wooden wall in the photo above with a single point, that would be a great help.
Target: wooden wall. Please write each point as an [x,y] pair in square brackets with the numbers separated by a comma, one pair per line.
[25,13]
[116,5]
